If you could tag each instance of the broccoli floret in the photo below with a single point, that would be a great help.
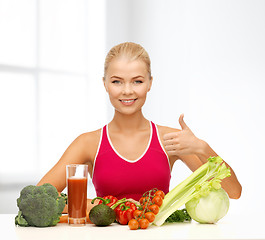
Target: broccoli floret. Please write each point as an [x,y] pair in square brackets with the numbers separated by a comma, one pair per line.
[20,220]
[64,195]
[39,206]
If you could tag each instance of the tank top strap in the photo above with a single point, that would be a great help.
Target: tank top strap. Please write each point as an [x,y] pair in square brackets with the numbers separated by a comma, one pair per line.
[155,137]
[104,140]
[156,142]
[104,145]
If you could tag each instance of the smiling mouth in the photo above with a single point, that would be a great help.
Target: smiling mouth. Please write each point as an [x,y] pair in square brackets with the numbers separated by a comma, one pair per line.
[128,101]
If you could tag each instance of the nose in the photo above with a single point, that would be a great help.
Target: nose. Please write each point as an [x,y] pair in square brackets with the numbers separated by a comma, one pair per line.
[127,89]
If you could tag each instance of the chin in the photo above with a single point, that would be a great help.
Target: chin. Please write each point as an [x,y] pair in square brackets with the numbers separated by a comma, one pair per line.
[128,113]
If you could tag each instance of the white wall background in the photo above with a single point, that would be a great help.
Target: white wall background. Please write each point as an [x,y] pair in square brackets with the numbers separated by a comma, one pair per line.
[208,62]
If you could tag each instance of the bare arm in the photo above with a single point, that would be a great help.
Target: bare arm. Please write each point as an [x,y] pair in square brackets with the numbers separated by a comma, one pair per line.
[184,145]
[81,151]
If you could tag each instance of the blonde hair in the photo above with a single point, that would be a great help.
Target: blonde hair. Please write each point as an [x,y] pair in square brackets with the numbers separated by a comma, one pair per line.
[131,50]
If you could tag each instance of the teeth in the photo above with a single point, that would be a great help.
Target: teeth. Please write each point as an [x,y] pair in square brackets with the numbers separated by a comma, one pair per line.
[127,101]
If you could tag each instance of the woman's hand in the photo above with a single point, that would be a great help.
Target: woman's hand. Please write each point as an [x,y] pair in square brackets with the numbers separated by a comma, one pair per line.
[183,142]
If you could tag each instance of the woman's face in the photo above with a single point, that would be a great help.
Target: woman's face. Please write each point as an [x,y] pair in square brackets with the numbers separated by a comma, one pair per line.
[127,83]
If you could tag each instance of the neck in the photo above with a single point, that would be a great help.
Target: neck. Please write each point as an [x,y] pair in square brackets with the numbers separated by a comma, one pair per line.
[128,123]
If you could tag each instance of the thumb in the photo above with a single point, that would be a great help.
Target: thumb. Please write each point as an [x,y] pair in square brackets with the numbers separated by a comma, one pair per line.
[182,123]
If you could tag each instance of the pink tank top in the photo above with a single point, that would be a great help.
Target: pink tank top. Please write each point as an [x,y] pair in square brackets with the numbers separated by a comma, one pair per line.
[117,176]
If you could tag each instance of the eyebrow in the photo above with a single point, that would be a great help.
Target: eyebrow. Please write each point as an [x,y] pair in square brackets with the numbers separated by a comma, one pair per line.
[115,77]
[139,76]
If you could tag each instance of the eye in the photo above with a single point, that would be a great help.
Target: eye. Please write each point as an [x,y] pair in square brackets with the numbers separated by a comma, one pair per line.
[138,81]
[116,81]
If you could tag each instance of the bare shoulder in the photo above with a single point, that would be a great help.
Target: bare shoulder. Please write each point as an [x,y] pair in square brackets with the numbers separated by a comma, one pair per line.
[90,142]
[91,136]
[164,130]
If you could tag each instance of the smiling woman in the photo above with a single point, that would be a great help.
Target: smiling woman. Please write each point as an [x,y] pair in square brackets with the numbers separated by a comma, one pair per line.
[125,154]
[127,76]
[127,83]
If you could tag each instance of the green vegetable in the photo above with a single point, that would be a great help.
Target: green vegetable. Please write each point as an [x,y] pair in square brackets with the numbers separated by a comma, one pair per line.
[20,220]
[102,214]
[199,183]
[64,195]
[39,206]
[179,216]
[209,209]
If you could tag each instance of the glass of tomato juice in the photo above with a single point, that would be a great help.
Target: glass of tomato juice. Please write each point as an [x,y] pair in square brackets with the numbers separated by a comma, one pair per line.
[76,176]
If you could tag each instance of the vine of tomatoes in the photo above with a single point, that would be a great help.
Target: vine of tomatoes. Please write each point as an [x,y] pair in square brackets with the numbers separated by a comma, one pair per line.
[149,207]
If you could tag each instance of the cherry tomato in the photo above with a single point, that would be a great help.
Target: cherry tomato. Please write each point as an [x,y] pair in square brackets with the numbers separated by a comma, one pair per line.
[160,193]
[144,223]
[144,200]
[137,213]
[157,200]
[154,208]
[133,224]
[150,216]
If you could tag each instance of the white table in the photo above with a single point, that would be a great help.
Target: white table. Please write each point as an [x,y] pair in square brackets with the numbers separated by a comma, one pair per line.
[230,227]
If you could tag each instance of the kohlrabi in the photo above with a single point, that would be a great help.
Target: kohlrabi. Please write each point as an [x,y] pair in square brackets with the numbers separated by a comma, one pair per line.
[200,183]
[210,208]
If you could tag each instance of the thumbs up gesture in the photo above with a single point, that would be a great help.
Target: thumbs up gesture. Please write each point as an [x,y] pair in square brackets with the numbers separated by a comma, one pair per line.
[183,142]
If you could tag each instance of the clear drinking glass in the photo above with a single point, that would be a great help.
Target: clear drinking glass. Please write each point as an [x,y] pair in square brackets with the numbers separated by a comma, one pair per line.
[76,175]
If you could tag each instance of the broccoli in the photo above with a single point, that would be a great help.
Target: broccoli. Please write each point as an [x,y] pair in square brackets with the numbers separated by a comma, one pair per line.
[39,206]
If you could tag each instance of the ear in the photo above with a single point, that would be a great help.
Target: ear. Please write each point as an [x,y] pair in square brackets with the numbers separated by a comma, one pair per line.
[104,82]
[150,83]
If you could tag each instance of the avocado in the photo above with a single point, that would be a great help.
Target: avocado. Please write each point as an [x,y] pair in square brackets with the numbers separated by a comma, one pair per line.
[102,215]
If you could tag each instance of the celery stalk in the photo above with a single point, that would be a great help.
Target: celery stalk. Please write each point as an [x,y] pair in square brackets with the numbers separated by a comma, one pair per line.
[199,183]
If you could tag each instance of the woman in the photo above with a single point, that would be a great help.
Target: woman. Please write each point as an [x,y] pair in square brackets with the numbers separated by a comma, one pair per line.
[131,154]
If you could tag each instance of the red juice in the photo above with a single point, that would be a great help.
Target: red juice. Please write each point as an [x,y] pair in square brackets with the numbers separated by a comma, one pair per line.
[77,197]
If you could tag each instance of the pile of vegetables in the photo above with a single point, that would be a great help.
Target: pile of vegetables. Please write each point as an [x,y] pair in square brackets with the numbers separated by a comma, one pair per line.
[201,193]
[39,206]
